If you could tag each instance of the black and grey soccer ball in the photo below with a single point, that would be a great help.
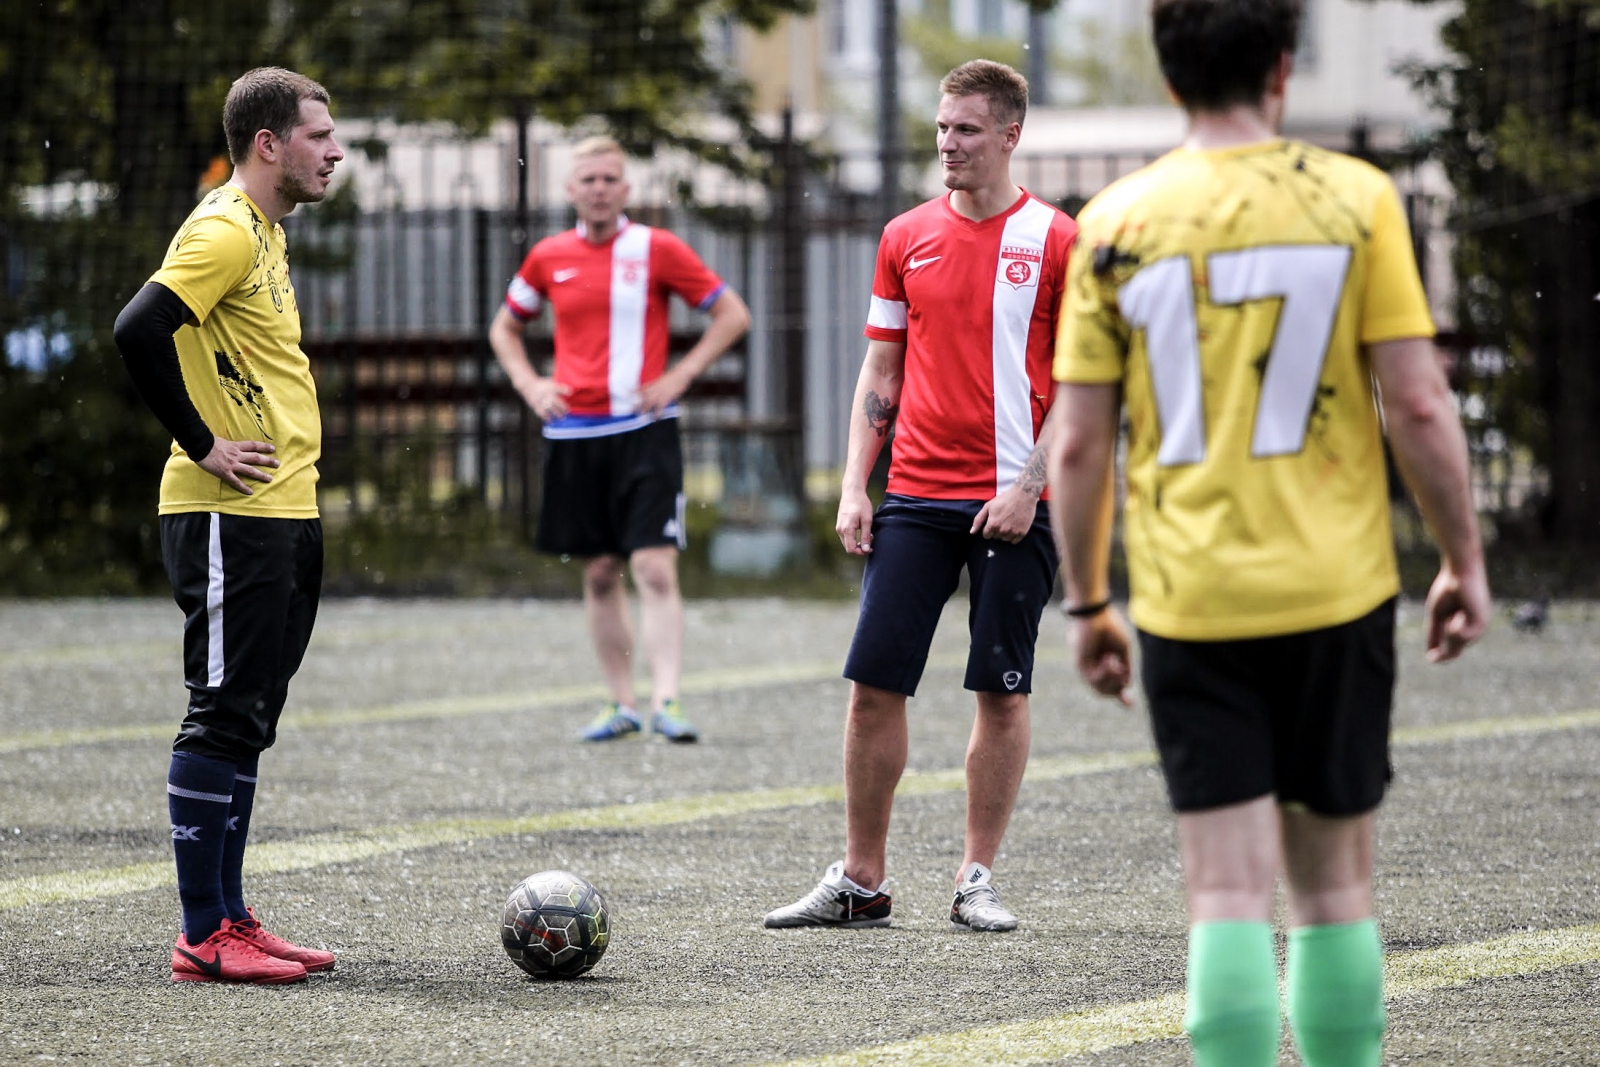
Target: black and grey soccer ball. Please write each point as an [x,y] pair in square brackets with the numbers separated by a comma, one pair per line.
[555,925]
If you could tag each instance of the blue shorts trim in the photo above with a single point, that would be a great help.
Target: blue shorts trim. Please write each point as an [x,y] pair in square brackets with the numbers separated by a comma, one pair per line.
[919,549]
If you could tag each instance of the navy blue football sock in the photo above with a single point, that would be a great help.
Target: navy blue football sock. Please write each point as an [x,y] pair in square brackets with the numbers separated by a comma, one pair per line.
[199,792]
[244,798]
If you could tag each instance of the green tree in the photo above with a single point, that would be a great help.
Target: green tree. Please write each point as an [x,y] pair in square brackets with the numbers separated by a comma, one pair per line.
[1522,150]
[113,108]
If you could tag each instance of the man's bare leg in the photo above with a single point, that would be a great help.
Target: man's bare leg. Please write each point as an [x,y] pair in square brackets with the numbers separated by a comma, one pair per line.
[1335,957]
[997,754]
[1231,858]
[875,745]
[655,573]
[1328,862]
[605,603]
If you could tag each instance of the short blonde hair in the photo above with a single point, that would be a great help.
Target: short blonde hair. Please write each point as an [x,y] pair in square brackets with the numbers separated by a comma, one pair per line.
[1003,87]
[598,145]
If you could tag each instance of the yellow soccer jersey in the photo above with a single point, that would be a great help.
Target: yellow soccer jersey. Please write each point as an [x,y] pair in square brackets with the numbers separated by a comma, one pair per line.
[1230,293]
[241,358]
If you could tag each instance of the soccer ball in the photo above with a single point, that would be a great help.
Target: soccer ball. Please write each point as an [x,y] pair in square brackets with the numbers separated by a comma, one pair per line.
[555,925]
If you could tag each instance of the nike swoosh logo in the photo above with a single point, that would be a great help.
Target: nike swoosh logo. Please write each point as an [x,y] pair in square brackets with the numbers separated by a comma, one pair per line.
[913,263]
[213,966]
[564,275]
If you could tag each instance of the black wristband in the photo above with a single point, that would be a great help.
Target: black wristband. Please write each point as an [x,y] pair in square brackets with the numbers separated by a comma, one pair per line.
[1085,611]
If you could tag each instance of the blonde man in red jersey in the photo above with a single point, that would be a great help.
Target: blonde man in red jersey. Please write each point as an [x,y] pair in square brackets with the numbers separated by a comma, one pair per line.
[613,469]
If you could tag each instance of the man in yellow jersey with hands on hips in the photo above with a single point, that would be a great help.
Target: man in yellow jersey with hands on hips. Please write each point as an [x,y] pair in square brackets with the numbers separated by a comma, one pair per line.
[213,343]
[1241,298]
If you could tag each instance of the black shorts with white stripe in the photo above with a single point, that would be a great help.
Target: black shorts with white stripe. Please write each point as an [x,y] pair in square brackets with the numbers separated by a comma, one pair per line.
[249,589]
[613,495]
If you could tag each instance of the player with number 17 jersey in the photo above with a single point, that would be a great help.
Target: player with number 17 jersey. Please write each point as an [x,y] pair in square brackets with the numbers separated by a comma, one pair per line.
[1231,292]
[975,304]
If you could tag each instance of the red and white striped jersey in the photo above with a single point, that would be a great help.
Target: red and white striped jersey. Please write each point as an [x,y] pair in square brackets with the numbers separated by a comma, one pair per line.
[976,305]
[611,304]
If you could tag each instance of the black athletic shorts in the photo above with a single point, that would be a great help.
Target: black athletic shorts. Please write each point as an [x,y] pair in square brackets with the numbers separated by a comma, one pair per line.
[919,548]
[249,589]
[1303,717]
[613,495]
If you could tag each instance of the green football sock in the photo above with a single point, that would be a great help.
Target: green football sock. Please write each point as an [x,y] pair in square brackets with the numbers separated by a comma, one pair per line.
[1232,1019]
[1336,994]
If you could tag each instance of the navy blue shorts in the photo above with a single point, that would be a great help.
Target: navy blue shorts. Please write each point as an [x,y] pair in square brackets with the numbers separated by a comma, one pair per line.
[919,548]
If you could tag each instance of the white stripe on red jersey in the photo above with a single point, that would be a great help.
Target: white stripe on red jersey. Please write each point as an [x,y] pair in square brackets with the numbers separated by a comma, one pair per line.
[977,374]
[630,298]
[611,304]
[1016,291]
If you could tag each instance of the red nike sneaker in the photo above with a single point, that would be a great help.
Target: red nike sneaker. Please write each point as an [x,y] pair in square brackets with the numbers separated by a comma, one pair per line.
[312,959]
[229,956]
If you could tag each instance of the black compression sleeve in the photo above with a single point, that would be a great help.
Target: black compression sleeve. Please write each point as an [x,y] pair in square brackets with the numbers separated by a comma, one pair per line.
[144,337]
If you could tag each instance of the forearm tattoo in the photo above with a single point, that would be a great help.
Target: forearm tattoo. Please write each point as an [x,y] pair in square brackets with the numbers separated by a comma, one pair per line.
[1033,476]
[881,414]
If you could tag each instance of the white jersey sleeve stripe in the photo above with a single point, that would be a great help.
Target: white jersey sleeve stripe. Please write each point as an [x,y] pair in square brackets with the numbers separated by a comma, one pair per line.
[523,299]
[630,299]
[887,314]
[1016,289]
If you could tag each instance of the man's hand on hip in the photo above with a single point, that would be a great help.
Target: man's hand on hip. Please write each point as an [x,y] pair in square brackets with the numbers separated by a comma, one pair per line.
[546,396]
[656,395]
[233,461]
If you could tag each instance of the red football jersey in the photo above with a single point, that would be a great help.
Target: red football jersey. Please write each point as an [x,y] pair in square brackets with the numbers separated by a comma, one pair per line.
[611,303]
[976,305]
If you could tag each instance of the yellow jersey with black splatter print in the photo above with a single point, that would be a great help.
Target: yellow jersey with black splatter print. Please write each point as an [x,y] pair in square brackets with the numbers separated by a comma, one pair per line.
[241,358]
[1230,294]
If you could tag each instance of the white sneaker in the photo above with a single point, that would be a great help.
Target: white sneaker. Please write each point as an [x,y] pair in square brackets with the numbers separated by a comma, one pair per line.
[977,906]
[837,901]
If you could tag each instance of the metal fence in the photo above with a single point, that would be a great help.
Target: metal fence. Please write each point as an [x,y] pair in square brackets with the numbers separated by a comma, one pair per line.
[396,299]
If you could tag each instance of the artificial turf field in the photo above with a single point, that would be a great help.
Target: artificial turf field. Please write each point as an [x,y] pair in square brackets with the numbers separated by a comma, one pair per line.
[426,763]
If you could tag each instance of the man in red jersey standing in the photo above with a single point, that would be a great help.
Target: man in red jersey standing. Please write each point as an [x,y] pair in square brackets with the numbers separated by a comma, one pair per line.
[613,470]
[961,333]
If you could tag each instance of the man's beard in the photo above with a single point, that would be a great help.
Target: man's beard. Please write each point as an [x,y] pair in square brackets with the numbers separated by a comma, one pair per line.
[293,189]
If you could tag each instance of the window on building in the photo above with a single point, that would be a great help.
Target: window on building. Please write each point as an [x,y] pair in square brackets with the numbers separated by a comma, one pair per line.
[724,41]
[1305,57]
[991,18]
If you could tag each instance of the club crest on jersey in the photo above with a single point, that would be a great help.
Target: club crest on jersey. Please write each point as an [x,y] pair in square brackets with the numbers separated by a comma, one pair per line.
[631,270]
[1019,265]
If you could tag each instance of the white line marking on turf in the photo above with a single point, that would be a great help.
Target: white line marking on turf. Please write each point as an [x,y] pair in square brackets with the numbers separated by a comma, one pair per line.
[169,653]
[319,850]
[452,707]
[699,682]
[1406,974]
